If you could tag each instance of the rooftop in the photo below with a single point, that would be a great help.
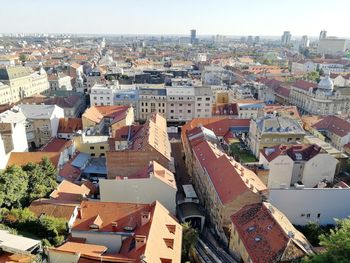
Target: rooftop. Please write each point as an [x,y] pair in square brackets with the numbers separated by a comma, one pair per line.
[23,158]
[38,111]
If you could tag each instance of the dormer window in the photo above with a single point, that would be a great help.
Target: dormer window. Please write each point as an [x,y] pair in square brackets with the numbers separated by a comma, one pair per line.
[169,242]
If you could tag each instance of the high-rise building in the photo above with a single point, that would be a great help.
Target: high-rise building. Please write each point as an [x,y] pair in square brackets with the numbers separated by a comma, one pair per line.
[305,41]
[286,37]
[193,36]
[257,39]
[250,39]
[323,34]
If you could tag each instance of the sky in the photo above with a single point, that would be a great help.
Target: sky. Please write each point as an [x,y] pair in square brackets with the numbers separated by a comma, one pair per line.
[163,17]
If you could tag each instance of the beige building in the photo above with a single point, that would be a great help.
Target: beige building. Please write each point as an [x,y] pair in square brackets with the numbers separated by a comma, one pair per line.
[306,165]
[21,82]
[269,131]
[154,182]
[41,122]
[223,185]
[122,232]
[151,100]
[331,46]
[180,104]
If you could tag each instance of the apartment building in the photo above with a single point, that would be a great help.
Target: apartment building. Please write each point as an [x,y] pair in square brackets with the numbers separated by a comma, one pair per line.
[133,151]
[268,131]
[102,95]
[180,104]
[60,81]
[151,183]
[150,101]
[122,232]
[307,165]
[203,102]
[262,233]
[41,122]
[19,82]
[223,185]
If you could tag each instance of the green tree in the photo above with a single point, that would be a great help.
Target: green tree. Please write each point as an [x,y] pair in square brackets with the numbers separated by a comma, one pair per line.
[336,244]
[23,58]
[189,239]
[313,76]
[13,187]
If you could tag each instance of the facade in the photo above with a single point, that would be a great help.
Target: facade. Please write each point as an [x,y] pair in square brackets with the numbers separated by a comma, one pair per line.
[127,98]
[302,206]
[41,122]
[203,102]
[321,99]
[60,82]
[331,46]
[180,104]
[248,109]
[67,127]
[269,131]
[154,182]
[132,152]
[102,95]
[307,165]
[121,232]
[261,233]
[20,82]
[223,185]
[150,101]
[286,38]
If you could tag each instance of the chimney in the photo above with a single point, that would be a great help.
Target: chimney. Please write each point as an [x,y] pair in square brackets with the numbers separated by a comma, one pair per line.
[80,212]
[114,226]
[139,241]
[145,218]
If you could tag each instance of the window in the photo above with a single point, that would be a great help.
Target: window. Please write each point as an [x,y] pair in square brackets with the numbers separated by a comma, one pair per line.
[207,99]
[92,147]
[171,111]
[102,154]
[308,215]
[199,99]
[92,155]
[318,215]
[188,111]
[198,104]
[102,147]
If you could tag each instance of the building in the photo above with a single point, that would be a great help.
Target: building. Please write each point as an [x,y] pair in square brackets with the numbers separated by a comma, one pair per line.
[203,102]
[121,232]
[248,109]
[150,101]
[67,127]
[41,122]
[193,36]
[302,206]
[269,131]
[60,81]
[261,233]
[323,34]
[102,95]
[132,151]
[223,185]
[334,129]
[306,165]
[154,182]
[331,46]
[305,42]
[105,120]
[127,98]
[20,82]
[286,38]
[180,104]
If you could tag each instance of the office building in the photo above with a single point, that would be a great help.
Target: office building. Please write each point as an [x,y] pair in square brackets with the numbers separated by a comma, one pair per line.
[286,37]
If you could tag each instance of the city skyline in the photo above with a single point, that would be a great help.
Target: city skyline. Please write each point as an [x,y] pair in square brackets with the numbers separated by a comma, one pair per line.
[232,18]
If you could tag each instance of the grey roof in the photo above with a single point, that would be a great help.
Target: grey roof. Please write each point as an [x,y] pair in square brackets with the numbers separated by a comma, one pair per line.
[17,243]
[13,115]
[14,72]
[32,111]
[279,124]
[81,160]
[149,91]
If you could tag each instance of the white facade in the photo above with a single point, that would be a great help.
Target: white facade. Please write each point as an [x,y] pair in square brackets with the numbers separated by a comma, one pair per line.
[180,103]
[61,83]
[142,190]
[203,102]
[321,205]
[102,95]
[331,46]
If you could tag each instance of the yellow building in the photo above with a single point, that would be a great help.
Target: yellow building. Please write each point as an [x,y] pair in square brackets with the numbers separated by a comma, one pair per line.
[95,145]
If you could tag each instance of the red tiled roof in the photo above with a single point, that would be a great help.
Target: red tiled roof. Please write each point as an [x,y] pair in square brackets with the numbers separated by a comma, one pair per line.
[69,125]
[262,235]
[56,145]
[283,92]
[295,152]
[304,85]
[23,158]
[333,124]
[97,113]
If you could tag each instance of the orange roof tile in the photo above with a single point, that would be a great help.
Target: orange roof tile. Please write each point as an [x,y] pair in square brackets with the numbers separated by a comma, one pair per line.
[41,207]
[23,158]
[69,125]
[70,191]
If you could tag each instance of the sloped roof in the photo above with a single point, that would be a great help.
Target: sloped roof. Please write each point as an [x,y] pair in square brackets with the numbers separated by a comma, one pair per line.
[40,207]
[69,125]
[97,113]
[334,124]
[23,158]
[267,234]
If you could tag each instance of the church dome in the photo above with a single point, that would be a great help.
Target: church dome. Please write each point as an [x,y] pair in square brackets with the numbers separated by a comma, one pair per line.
[326,83]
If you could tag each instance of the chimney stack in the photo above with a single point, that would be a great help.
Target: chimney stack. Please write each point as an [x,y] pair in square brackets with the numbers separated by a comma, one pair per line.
[145,218]
[114,226]
[140,241]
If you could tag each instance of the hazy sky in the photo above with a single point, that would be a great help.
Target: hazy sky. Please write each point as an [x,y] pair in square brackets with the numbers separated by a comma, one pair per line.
[228,17]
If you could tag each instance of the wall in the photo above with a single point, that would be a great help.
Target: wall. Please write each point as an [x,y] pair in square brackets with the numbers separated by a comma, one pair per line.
[145,190]
[328,202]
[127,163]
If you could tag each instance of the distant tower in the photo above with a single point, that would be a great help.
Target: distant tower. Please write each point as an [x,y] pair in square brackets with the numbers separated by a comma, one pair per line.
[256,39]
[323,34]
[79,82]
[286,37]
[305,41]
[193,36]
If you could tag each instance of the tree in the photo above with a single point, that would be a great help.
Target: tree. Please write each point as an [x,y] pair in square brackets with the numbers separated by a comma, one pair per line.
[13,187]
[313,231]
[313,76]
[336,244]
[23,58]
[189,239]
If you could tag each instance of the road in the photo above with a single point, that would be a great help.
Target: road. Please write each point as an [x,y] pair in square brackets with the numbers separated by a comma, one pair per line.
[181,176]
